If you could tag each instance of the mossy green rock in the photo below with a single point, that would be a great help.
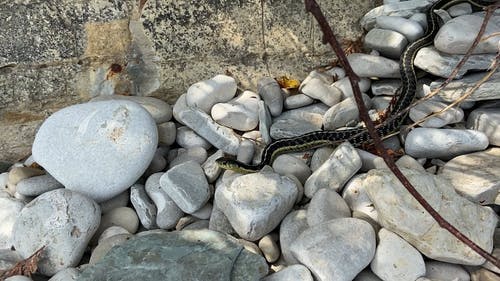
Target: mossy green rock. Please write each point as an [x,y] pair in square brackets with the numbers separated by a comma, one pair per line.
[183,255]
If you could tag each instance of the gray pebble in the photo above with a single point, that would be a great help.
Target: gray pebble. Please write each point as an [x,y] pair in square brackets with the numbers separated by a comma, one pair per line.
[385,87]
[456,35]
[342,114]
[389,43]
[342,164]
[166,133]
[298,121]
[67,274]
[219,136]
[270,92]
[187,138]
[298,100]
[187,186]
[291,227]
[365,65]
[182,155]
[288,165]
[37,185]
[344,85]
[412,30]
[457,88]
[245,151]
[265,121]
[460,9]
[144,207]
[211,169]
[168,212]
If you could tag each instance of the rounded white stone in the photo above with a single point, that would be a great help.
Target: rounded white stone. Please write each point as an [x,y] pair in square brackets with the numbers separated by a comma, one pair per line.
[289,165]
[122,216]
[326,205]
[84,146]
[61,220]
[291,227]
[395,259]
[256,203]
[121,200]
[389,43]
[10,209]
[318,89]
[269,248]
[357,198]
[240,113]
[443,143]
[182,155]
[342,164]
[344,246]
[437,270]
[205,94]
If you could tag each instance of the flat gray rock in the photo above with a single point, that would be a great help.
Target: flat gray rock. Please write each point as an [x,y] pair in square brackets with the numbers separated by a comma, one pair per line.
[37,185]
[188,255]
[298,121]
[61,220]
[187,186]
[479,184]
[344,246]
[429,107]
[85,146]
[411,29]
[457,88]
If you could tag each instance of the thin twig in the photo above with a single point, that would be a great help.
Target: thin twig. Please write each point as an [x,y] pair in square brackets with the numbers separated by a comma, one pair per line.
[313,7]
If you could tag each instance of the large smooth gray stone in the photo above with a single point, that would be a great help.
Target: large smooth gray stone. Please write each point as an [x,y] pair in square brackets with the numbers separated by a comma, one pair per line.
[99,149]
[189,255]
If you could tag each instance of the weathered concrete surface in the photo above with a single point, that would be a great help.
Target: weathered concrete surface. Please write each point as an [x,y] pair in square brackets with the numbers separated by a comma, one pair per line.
[53,54]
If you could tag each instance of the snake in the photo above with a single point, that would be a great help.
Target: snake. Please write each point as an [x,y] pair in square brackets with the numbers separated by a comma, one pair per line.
[358,136]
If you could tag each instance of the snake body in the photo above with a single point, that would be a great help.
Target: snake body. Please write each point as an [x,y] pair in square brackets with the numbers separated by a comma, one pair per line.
[357,136]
